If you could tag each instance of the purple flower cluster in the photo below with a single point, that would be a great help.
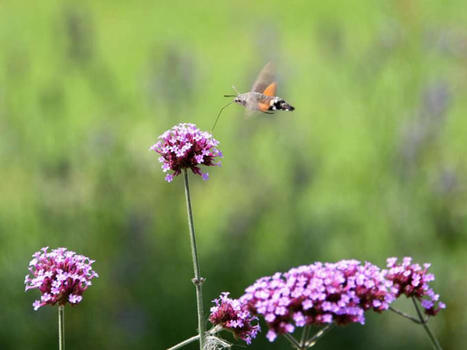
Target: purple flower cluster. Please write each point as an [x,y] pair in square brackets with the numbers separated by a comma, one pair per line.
[60,275]
[318,294]
[233,315]
[412,280]
[324,293]
[185,146]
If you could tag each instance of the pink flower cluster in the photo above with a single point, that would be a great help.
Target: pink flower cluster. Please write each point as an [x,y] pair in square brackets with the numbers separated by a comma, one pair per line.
[324,293]
[412,280]
[234,316]
[185,146]
[60,275]
[318,294]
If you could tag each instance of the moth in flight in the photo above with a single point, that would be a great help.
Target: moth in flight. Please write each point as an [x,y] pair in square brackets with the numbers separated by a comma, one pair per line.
[262,96]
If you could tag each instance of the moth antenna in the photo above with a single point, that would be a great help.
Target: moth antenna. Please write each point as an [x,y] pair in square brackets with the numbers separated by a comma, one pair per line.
[235,89]
[219,114]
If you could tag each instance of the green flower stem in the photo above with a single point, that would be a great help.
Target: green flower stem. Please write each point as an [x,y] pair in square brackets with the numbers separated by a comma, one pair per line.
[185,342]
[403,314]
[318,335]
[61,327]
[211,332]
[292,341]
[304,343]
[305,333]
[430,334]
[198,280]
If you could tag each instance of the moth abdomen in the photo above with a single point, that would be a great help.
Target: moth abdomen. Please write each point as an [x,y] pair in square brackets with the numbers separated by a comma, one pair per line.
[279,104]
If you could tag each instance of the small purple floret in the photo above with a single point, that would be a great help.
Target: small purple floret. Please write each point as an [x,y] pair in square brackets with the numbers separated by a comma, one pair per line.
[186,147]
[412,280]
[60,275]
[325,293]
[234,316]
[318,294]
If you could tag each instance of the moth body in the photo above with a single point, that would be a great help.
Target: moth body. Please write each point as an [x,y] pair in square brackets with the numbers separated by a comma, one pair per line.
[262,96]
[257,101]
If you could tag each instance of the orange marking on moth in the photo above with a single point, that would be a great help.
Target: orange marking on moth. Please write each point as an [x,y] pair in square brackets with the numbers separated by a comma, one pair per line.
[270,90]
[263,107]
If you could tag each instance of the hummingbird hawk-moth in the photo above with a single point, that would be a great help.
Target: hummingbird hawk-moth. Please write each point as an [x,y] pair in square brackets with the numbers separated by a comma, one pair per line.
[262,96]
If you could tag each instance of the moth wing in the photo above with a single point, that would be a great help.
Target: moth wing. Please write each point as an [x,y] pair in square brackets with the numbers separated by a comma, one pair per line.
[263,107]
[257,102]
[265,78]
[270,90]
[249,113]
[259,111]
[261,102]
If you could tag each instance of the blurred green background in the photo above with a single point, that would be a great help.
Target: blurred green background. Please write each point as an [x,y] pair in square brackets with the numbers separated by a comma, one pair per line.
[371,164]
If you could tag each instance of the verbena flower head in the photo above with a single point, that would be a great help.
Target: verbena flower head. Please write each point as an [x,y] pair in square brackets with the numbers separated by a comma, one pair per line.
[318,294]
[60,275]
[412,280]
[234,316]
[185,146]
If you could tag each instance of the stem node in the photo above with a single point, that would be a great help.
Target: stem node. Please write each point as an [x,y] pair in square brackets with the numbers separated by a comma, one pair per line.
[198,281]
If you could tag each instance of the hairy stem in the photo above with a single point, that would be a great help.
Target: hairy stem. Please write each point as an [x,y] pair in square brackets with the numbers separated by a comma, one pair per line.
[305,333]
[292,341]
[311,342]
[211,332]
[185,342]
[407,316]
[61,327]
[198,280]
[428,331]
